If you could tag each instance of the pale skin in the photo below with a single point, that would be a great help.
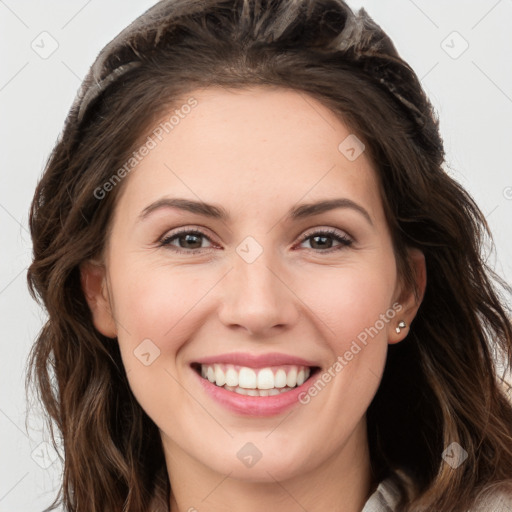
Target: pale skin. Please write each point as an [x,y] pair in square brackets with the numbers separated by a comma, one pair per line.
[257,153]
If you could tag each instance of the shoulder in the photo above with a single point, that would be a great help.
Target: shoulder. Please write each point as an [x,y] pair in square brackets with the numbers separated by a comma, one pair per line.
[496,500]
[384,499]
[387,495]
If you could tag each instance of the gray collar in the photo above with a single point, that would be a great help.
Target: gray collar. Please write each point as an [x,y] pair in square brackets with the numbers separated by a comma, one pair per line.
[386,496]
[384,499]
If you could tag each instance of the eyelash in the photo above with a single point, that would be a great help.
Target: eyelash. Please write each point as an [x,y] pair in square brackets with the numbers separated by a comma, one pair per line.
[345,241]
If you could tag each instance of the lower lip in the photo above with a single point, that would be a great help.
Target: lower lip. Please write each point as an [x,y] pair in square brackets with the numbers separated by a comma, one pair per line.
[254,405]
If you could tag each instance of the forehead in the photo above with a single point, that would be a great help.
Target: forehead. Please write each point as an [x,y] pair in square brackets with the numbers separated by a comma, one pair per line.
[258,146]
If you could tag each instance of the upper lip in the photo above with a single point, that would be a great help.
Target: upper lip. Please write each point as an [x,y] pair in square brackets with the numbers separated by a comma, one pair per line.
[256,360]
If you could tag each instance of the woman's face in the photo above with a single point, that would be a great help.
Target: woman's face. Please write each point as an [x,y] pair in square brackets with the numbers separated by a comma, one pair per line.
[252,284]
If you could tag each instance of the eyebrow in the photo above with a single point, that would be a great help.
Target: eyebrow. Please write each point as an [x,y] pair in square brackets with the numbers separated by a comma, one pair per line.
[218,212]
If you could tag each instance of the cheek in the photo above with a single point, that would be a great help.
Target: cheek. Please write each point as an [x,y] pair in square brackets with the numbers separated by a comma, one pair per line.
[154,302]
[156,310]
[351,300]
[159,309]
[356,310]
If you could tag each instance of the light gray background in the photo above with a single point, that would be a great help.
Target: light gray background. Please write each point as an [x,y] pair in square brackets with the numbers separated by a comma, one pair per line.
[472,92]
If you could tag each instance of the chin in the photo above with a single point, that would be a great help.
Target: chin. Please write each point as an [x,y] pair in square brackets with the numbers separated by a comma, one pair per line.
[261,462]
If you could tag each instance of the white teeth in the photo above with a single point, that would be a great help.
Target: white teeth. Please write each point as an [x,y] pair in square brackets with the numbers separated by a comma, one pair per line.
[220,377]
[267,381]
[247,378]
[231,377]
[280,379]
[291,378]
[257,392]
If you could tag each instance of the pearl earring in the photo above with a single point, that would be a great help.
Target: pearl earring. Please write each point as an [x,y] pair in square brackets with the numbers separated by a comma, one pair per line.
[401,325]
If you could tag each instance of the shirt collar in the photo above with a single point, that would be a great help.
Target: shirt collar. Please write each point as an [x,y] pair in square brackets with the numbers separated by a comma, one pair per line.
[384,499]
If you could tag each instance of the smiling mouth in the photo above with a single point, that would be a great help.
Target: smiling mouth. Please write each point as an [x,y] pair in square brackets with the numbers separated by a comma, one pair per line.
[267,381]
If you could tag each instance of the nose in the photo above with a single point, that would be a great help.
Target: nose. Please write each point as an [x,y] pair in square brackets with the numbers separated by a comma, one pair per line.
[258,298]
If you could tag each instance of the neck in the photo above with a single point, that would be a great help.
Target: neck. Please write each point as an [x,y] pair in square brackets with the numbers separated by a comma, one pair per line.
[341,483]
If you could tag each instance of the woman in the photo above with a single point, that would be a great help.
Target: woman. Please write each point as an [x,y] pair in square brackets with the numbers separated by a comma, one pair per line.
[265,369]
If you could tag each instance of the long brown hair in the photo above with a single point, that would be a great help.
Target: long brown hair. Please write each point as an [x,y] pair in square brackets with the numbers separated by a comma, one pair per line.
[439,386]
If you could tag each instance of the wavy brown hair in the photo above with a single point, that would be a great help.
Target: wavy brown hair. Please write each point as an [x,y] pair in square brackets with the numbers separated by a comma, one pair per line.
[439,386]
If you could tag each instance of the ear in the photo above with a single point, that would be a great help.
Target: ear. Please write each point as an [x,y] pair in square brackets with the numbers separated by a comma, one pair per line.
[95,288]
[408,299]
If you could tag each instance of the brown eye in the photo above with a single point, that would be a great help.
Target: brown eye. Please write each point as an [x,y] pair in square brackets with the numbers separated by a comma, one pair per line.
[187,241]
[323,240]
